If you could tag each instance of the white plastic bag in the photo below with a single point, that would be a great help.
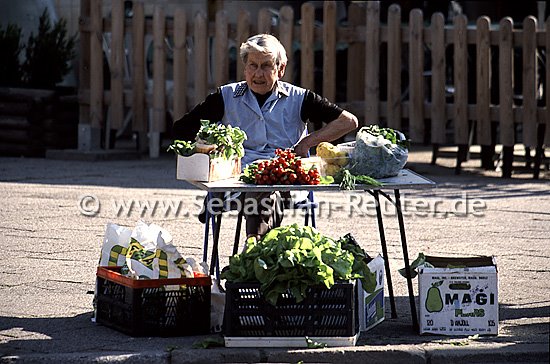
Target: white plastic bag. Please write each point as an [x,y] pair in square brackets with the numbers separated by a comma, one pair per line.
[115,245]
[376,156]
[217,307]
[148,253]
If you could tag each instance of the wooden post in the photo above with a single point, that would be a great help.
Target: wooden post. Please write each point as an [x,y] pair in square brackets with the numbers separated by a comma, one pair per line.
[529,76]
[139,121]
[329,50]
[264,21]
[416,76]
[394,67]
[543,125]
[159,82]
[89,137]
[180,63]
[96,65]
[356,56]
[461,87]
[201,57]
[117,63]
[243,33]
[483,88]
[372,64]
[221,59]
[506,97]
[439,119]
[307,39]
[547,91]
[286,35]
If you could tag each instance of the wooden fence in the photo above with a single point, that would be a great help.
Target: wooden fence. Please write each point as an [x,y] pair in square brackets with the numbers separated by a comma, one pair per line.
[414,76]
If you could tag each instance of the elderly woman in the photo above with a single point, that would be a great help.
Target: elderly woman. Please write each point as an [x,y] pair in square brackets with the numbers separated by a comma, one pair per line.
[273,114]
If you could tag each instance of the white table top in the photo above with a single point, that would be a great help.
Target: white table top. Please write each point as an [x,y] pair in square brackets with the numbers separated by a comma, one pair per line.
[406,179]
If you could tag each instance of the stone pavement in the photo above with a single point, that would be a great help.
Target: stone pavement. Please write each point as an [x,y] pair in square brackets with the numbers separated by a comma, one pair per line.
[51,244]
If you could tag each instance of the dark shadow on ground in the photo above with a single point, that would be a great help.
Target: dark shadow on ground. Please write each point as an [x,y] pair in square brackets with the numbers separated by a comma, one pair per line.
[28,336]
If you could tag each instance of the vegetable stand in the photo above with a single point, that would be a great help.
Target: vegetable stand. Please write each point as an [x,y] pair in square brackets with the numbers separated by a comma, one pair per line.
[406,179]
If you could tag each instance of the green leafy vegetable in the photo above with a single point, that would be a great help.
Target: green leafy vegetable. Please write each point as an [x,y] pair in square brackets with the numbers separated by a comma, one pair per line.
[420,260]
[229,140]
[388,134]
[292,258]
[209,342]
[182,147]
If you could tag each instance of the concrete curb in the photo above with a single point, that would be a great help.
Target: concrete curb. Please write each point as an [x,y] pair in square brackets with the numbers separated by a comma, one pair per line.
[395,354]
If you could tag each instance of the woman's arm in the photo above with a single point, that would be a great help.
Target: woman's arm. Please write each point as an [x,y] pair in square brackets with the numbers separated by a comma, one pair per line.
[212,108]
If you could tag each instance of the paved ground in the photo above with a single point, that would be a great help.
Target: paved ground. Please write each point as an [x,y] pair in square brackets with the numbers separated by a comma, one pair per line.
[51,249]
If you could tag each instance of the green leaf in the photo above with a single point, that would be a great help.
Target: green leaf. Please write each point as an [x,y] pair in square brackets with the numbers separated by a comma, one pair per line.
[326,180]
[209,342]
[315,344]
[421,259]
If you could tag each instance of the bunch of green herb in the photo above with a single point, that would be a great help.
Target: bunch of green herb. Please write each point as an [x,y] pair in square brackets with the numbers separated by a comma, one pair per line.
[249,173]
[229,140]
[348,180]
[292,258]
[182,147]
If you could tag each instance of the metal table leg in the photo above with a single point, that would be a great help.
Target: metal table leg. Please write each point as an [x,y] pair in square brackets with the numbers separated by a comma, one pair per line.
[406,259]
[216,223]
[376,195]
[214,262]
[206,228]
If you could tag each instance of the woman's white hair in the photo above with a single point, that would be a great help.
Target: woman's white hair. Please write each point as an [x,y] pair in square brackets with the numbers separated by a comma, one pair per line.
[264,43]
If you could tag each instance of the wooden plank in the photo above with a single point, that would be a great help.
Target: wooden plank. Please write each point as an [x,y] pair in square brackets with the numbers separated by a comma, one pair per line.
[139,120]
[483,84]
[243,33]
[356,55]
[439,119]
[416,76]
[547,90]
[460,80]
[117,64]
[372,64]
[357,106]
[394,67]
[159,71]
[84,63]
[180,63]
[264,21]
[221,50]
[286,35]
[329,50]
[506,87]
[307,39]
[529,76]
[96,65]
[200,36]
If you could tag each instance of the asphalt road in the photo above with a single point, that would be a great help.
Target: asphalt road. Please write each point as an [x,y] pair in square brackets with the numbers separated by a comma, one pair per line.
[54,213]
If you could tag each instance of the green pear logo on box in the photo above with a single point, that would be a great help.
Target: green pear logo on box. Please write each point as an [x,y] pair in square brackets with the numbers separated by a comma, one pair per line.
[434,302]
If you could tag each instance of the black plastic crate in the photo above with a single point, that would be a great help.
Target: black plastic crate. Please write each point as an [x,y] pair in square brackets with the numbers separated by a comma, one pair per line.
[146,308]
[324,312]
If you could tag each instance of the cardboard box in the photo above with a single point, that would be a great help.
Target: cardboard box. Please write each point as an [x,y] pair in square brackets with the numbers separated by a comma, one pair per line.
[371,306]
[458,301]
[200,167]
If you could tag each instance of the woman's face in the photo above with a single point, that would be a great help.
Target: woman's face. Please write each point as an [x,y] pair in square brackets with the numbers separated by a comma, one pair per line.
[261,73]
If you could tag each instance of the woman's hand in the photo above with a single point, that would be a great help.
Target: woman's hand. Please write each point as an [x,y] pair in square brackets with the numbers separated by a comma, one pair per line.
[302,149]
